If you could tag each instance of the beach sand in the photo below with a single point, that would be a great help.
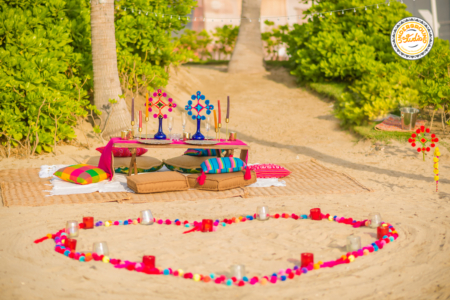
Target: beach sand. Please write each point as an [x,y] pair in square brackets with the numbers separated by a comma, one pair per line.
[282,123]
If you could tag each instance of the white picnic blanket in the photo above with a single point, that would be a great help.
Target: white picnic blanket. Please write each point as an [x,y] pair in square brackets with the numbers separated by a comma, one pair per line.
[117,184]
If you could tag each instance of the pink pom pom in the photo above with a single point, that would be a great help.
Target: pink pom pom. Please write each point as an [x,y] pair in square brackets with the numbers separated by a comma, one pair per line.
[160,221]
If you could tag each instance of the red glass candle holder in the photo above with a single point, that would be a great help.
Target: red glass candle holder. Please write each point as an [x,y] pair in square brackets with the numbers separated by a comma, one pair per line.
[382,231]
[207,225]
[149,261]
[316,214]
[88,222]
[71,244]
[306,259]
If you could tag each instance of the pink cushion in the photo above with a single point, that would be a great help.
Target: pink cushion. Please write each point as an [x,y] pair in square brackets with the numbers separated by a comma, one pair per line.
[269,171]
[123,152]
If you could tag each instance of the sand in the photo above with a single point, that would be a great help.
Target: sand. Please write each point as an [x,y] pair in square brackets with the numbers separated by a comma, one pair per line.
[282,123]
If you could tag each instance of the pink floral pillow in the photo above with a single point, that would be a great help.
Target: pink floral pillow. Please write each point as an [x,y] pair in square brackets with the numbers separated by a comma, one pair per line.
[269,171]
[123,152]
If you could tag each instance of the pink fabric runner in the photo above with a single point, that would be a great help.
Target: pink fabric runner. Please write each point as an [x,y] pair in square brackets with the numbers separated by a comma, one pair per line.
[105,162]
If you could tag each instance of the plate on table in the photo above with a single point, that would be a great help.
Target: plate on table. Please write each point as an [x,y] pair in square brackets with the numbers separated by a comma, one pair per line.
[155,142]
[201,142]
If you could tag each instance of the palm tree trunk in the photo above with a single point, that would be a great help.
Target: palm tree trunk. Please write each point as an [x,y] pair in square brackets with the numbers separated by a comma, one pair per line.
[248,55]
[106,76]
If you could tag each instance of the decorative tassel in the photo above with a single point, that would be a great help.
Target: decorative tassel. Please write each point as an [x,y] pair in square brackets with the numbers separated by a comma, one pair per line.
[201,179]
[247,175]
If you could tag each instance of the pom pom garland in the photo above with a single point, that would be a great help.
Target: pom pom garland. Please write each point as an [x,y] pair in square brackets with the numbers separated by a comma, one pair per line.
[281,275]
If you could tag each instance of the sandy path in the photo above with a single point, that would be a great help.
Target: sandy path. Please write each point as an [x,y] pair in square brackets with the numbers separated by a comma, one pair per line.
[282,123]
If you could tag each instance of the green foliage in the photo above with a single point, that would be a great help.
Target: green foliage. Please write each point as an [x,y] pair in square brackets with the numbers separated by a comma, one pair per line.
[46,63]
[273,39]
[197,42]
[40,95]
[225,41]
[355,48]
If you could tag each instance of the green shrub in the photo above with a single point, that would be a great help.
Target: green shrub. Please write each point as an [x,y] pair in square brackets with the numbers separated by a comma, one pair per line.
[273,39]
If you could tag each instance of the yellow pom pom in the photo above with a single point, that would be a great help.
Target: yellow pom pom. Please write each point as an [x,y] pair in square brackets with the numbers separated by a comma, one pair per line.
[49,235]
[240,218]
[316,266]
[236,221]
[436,171]
[435,159]
[107,224]
[384,225]
[180,272]
[135,222]
[436,165]
[395,231]
[438,154]
[320,262]
[105,259]
[263,281]
[436,178]
[351,258]
[366,252]
[330,218]
[196,277]
[344,257]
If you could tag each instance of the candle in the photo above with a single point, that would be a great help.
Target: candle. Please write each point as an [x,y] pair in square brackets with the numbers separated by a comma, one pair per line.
[147,217]
[215,120]
[375,219]
[71,244]
[132,110]
[316,214]
[228,107]
[149,261]
[306,259]
[88,222]
[220,114]
[207,225]
[232,136]
[353,243]
[140,119]
[237,271]
[382,231]
[262,213]
[72,228]
[146,107]
[101,248]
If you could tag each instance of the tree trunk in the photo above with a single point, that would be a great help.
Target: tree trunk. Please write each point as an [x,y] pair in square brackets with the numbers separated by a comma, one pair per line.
[248,55]
[106,75]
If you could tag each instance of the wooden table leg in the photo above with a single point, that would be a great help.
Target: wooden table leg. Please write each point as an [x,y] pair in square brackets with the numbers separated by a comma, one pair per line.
[132,162]
[244,155]
[230,152]
[219,152]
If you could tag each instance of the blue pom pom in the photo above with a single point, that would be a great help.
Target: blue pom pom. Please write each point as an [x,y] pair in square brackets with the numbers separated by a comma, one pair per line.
[120,222]
[229,282]
[176,220]
[166,272]
[274,274]
[212,275]
[62,247]
[187,225]
[81,258]
[125,222]
[304,270]
[245,278]
[207,102]
[202,97]
[223,224]
[375,248]
[354,221]
[283,277]
[335,217]
[304,217]
[295,268]
[385,236]
[193,97]
[66,253]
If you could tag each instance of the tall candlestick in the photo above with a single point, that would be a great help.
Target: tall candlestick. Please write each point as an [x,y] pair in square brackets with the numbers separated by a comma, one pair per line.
[228,107]
[220,114]
[146,107]
[215,119]
[140,119]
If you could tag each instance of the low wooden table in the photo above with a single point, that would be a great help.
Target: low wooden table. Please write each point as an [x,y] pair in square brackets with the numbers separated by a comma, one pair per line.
[230,150]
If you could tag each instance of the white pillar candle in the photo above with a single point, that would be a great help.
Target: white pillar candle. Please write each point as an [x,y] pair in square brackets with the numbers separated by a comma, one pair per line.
[262,213]
[353,243]
[146,217]
[237,271]
[72,228]
[101,248]
[375,219]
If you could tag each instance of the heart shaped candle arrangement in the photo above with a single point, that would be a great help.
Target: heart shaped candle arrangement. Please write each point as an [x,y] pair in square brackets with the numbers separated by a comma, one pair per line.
[420,137]
[65,245]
